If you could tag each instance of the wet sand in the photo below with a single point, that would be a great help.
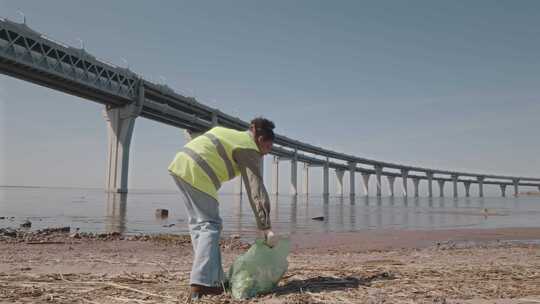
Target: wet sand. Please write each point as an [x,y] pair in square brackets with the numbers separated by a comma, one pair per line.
[446,266]
[395,239]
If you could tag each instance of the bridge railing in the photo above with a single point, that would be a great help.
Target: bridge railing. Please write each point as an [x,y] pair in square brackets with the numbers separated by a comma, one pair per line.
[29,54]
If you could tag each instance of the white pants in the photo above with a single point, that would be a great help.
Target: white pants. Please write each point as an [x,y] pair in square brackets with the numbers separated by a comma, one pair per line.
[205,227]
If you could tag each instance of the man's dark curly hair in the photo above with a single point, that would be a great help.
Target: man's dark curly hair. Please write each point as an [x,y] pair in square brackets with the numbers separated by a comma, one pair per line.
[263,127]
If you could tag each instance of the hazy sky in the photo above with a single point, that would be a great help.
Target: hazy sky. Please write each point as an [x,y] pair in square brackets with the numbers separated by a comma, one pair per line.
[445,84]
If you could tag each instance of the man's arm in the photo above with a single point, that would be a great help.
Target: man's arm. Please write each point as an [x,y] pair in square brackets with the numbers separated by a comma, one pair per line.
[249,162]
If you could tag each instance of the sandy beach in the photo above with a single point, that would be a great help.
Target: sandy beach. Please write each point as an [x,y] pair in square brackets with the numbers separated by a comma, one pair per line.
[444,266]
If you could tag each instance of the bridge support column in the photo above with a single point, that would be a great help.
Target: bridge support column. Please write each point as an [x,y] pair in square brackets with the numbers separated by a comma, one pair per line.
[120,124]
[378,173]
[467,185]
[339,181]
[116,212]
[416,182]
[326,184]
[503,189]
[391,180]
[215,120]
[365,183]
[305,178]
[430,183]
[275,175]
[480,180]
[352,186]
[454,184]
[294,175]
[404,174]
[516,187]
[441,187]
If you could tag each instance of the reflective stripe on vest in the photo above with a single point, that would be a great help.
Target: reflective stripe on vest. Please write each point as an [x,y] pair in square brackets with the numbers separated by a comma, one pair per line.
[204,165]
[209,160]
[222,153]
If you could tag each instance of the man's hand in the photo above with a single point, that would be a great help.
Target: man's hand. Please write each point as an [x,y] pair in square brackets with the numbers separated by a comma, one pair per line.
[270,238]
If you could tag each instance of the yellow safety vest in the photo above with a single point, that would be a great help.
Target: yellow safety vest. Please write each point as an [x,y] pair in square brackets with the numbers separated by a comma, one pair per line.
[207,161]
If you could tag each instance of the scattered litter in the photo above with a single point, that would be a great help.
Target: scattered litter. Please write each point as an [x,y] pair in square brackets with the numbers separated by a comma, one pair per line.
[54,230]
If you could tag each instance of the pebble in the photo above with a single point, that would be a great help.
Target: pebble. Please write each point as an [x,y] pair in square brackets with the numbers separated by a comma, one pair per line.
[162,213]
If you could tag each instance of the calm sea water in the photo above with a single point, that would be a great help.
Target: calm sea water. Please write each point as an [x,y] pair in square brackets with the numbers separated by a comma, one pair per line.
[96,211]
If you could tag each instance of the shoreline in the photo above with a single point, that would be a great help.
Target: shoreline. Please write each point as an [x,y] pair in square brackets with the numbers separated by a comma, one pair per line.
[390,239]
[353,241]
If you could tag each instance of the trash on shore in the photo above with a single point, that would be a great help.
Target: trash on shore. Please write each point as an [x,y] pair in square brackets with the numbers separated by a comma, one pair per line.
[66,229]
[8,232]
[63,235]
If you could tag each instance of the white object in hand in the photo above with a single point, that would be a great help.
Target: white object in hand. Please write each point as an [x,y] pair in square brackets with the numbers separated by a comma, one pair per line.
[270,238]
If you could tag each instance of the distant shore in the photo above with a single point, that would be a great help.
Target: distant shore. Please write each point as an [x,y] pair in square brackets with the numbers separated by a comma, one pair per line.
[391,266]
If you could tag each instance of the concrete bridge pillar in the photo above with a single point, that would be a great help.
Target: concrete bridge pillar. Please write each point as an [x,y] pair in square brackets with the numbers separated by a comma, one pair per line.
[215,118]
[404,174]
[441,187]
[454,184]
[294,174]
[275,175]
[480,180]
[467,185]
[430,183]
[116,212]
[352,186]
[305,178]
[120,124]
[326,188]
[516,187]
[391,180]
[339,181]
[503,189]
[365,183]
[378,173]
[416,182]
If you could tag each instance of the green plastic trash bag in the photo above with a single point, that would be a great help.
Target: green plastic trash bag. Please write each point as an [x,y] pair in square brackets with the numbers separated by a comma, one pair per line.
[259,269]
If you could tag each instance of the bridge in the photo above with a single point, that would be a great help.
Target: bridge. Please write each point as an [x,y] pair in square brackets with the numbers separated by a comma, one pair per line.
[31,56]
